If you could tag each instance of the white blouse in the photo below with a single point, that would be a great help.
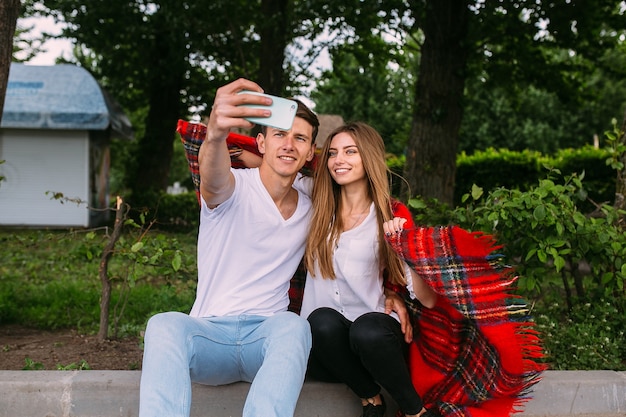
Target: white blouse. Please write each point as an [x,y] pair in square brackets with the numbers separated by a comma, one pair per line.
[358,286]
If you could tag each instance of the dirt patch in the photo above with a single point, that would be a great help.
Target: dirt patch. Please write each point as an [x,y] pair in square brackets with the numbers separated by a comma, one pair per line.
[22,347]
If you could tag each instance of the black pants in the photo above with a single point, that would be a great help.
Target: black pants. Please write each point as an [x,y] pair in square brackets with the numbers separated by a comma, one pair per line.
[362,354]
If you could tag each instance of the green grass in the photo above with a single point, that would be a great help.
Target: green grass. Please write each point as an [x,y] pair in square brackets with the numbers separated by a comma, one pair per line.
[49,279]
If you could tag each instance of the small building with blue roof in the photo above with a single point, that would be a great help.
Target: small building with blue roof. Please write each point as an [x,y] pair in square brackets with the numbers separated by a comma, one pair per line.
[55,135]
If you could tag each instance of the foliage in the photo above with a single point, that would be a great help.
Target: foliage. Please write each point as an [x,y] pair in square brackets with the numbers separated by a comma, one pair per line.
[617,160]
[544,228]
[168,62]
[529,73]
[49,279]
[559,253]
[178,212]
[497,168]
[80,366]
[371,92]
[528,118]
[599,177]
[543,118]
[492,168]
[590,337]
[30,365]
[24,47]
[538,76]
[137,254]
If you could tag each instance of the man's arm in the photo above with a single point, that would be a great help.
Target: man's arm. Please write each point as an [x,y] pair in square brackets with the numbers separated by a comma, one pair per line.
[216,181]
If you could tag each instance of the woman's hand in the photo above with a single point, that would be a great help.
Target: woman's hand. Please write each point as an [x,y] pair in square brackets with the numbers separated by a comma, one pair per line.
[391,227]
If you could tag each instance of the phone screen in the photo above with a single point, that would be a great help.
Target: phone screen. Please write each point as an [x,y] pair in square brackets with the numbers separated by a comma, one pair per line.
[283,111]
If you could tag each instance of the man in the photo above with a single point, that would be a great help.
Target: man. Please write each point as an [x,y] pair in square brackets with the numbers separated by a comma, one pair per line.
[253,227]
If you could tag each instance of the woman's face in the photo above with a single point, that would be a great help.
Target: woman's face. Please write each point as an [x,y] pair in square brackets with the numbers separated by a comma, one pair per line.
[344,160]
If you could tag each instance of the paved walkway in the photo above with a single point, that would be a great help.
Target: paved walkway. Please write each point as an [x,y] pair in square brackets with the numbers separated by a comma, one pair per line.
[116,393]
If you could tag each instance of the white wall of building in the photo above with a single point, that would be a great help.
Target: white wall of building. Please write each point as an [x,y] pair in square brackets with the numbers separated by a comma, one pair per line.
[40,161]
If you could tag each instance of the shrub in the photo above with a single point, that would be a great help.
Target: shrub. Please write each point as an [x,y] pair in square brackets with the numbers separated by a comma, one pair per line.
[559,253]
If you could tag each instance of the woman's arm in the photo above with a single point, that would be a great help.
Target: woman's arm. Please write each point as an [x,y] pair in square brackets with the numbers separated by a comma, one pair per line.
[422,291]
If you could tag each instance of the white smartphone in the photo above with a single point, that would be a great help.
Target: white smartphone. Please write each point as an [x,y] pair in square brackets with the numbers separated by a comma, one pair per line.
[283,111]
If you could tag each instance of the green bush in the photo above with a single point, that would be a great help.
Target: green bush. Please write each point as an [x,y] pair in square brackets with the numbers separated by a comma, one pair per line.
[590,337]
[559,254]
[49,279]
[492,168]
[599,178]
[178,212]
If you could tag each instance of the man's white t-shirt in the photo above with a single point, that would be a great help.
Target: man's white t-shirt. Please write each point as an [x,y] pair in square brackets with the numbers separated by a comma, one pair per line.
[247,252]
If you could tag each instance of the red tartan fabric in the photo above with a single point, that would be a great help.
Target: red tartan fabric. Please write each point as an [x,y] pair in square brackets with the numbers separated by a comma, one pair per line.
[192,135]
[475,352]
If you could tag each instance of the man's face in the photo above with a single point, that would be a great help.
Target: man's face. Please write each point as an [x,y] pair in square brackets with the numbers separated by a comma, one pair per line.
[286,151]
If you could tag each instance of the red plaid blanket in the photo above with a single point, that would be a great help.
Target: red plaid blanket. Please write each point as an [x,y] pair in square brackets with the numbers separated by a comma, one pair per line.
[475,353]
[192,135]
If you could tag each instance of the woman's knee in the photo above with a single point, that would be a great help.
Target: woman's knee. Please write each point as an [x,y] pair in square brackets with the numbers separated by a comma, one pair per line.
[371,329]
[325,320]
[328,327]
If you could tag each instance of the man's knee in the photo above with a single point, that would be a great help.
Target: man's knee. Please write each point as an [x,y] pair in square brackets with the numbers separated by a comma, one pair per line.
[292,328]
[164,325]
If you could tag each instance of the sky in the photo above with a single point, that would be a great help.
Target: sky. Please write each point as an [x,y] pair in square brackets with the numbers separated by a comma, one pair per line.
[54,48]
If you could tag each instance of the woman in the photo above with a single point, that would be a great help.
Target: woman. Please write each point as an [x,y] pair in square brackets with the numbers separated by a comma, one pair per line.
[354,340]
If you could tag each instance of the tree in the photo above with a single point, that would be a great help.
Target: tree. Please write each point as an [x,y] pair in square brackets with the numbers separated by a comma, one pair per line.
[168,59]
[163,58]
[506,42]
[501,51]
[532,117]
[437,111]
[9,12]
[159,59]
[373,93]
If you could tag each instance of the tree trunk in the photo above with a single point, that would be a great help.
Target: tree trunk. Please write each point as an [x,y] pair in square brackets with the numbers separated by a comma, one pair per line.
[9,12]
[431,151]
[273,30]
[103,270]
[154,155]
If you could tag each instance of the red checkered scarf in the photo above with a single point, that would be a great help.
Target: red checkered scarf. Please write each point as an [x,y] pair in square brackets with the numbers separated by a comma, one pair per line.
[475,353]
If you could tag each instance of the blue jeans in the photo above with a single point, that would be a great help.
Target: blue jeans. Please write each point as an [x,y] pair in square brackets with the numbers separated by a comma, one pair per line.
[271,352]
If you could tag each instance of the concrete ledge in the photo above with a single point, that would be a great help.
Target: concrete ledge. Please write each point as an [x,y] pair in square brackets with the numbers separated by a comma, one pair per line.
[116,393]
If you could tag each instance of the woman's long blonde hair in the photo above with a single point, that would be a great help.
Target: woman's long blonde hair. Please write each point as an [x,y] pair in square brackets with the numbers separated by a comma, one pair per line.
[327,224]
